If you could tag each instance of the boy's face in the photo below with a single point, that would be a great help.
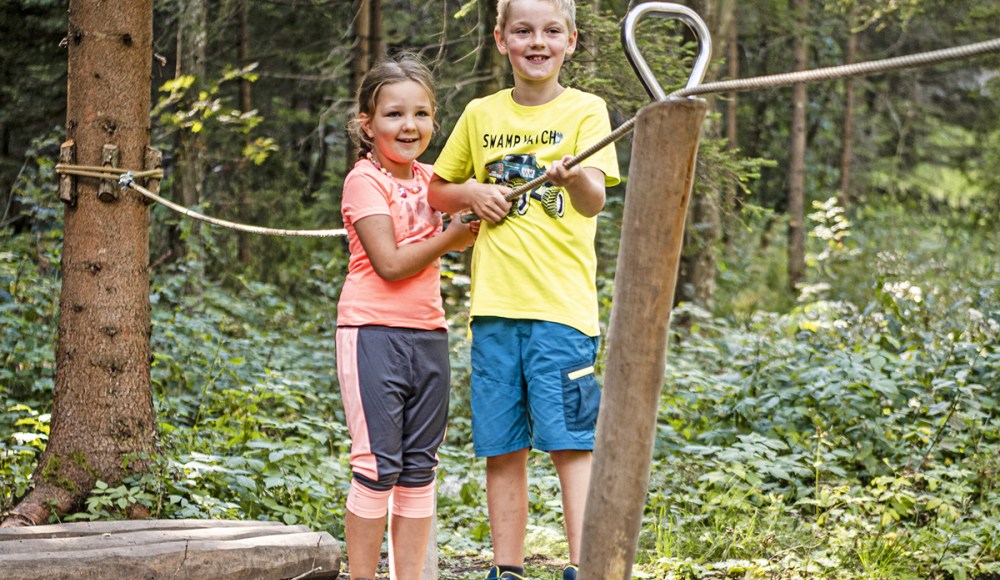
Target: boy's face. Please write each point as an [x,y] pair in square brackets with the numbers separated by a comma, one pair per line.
[537,39]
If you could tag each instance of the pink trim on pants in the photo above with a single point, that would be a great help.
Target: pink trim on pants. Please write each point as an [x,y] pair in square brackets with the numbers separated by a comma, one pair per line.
[407,502]
[413,502]
[362,459]
[367,503]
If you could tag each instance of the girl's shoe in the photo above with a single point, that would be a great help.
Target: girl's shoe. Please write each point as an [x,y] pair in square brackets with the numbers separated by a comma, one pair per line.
[496,574]
[569,573]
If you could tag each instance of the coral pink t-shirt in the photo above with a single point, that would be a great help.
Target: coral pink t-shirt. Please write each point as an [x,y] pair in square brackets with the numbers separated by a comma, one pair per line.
[366,298]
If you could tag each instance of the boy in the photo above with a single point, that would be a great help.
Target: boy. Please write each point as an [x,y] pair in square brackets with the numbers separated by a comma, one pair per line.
[534,300]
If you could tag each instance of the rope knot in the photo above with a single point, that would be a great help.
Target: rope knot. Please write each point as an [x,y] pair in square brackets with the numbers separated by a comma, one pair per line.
[126,180]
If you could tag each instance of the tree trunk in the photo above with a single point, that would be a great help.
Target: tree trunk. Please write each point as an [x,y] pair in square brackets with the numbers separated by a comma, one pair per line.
[797,166]
[102,410]
[760,104]
[361,27]
[243,196]
[376,45]
[490,64]
[848,135]
[733,65]
[696,275]
[190,150]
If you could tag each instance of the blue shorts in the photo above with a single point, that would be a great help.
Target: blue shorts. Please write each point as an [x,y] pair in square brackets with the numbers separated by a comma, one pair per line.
[533,385]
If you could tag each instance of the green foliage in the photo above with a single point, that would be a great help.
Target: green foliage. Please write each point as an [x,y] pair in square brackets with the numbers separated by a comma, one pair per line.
[850,438]
[847,430]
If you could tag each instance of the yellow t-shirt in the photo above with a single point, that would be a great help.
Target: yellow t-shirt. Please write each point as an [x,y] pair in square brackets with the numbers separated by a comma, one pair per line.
[539,264]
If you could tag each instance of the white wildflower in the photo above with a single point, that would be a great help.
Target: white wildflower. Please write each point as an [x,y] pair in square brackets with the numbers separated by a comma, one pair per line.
[975,316]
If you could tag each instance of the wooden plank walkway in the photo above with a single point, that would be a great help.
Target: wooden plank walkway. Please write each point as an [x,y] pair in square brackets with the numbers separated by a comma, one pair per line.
[168,550]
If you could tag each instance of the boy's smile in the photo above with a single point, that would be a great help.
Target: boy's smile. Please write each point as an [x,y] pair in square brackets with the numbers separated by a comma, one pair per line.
[537,39]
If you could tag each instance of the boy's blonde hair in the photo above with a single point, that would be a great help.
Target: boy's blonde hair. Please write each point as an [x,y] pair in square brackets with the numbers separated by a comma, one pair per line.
[401,68]
[567,7]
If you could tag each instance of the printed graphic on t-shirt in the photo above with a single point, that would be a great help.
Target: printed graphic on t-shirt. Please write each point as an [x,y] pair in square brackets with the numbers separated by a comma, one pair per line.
[508,140]
[518,169]
[418,220]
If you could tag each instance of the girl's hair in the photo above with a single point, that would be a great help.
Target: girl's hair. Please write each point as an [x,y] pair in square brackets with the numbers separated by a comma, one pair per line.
[567,7]
[398,69]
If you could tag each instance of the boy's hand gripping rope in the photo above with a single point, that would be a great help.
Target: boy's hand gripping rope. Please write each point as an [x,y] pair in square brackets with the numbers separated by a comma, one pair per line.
[694,86]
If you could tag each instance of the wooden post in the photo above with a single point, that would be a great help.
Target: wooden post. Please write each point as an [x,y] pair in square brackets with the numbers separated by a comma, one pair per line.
[110,157]
[430,571]
[67,183]
[154,160]
[656,200]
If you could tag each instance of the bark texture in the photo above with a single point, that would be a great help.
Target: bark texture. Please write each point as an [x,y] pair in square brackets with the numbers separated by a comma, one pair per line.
[103,406]
[797,163]
[659,187]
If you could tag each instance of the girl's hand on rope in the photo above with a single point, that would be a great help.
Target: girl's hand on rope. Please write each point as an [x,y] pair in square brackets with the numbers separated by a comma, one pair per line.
[461,235]
[487,201]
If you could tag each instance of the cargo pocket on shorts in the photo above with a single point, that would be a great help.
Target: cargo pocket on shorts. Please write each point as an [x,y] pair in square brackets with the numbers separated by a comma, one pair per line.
[581,397]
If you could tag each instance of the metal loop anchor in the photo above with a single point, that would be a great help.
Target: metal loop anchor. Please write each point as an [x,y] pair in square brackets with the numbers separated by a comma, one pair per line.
[126,180]
[666,10]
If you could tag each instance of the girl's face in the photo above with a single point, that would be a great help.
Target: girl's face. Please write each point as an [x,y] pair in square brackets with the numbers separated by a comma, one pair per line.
[400,126]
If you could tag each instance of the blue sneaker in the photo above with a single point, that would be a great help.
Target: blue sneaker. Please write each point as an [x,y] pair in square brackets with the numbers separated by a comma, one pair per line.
[569,573]
[495,574]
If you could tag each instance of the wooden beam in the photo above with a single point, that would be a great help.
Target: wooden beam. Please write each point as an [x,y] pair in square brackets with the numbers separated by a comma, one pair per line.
[144,537]
[275,557]
[664,152]
[78,529]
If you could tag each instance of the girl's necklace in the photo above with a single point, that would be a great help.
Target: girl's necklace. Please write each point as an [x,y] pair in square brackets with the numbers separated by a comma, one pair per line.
[403,190]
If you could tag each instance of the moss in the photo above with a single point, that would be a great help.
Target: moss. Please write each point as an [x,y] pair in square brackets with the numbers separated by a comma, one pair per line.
[80,460]
[51,475]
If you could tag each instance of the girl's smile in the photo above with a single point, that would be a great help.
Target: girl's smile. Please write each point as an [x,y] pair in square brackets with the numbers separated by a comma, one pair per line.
[401,126]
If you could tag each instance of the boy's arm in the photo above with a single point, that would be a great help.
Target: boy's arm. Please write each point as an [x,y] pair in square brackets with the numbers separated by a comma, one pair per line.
[585,186]
[486,199]
[393,262]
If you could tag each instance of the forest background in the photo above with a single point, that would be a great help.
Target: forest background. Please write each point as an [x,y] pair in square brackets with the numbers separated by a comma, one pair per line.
[830,403]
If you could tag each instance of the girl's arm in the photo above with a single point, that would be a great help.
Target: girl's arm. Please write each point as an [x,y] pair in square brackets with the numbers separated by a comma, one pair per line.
[486,199]
[392,262]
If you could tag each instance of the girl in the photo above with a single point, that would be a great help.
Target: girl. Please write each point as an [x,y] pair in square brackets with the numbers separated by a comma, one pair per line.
[392,346]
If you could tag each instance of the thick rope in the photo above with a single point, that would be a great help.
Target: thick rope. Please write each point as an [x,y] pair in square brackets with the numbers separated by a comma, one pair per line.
[754,83]
[104,172]
[844,71]
[126,179]
[793,78]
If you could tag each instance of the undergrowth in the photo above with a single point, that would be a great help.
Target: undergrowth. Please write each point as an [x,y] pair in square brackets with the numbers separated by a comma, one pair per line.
[850,433]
